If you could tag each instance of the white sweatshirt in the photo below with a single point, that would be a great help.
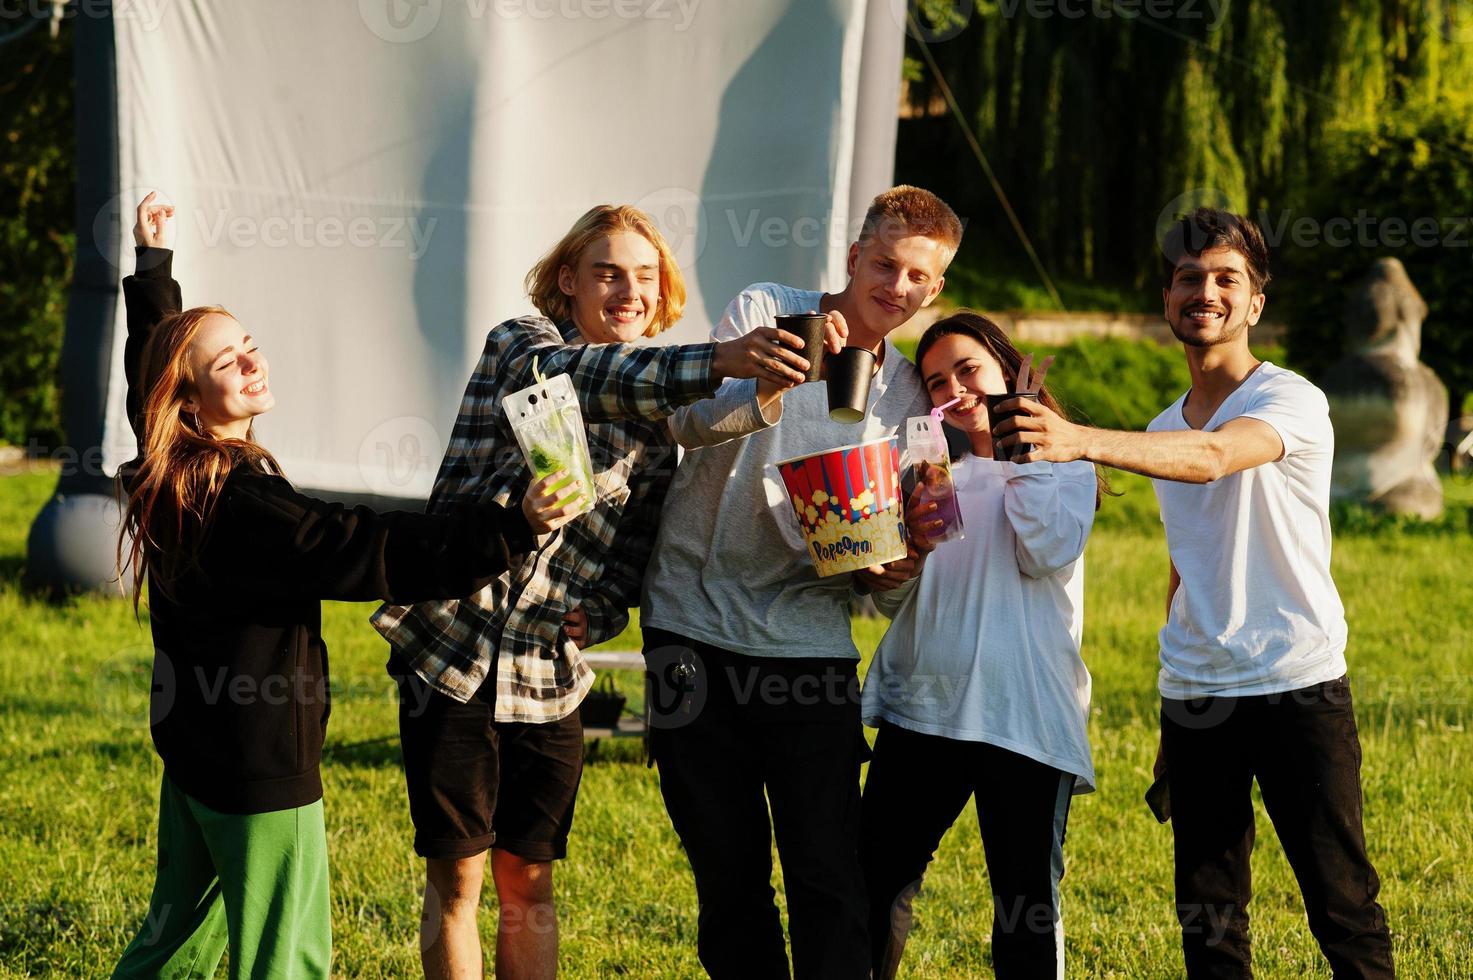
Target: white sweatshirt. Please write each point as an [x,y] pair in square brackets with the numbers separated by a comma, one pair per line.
[984,646]
[730,566]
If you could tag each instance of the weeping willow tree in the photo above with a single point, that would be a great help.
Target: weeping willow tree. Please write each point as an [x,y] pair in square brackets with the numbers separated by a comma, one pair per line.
[1103,119]
[1098,116]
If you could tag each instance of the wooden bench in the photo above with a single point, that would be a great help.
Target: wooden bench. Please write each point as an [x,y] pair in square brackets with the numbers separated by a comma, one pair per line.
[614,659]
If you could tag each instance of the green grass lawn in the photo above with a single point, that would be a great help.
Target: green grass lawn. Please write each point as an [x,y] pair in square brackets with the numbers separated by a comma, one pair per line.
[77,816]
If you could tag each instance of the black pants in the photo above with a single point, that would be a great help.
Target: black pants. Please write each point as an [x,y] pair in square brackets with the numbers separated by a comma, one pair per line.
[733,736]
[1303,749]
[917,786]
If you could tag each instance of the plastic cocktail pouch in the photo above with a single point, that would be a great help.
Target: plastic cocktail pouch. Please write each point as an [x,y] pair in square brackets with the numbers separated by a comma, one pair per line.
[548,424]
[925,449]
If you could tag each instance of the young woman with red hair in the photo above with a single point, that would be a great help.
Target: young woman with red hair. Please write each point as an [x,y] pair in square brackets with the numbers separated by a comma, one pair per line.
[237,563]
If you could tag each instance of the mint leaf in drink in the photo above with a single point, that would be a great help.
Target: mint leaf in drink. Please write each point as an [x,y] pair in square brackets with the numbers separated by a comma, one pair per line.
[545,461]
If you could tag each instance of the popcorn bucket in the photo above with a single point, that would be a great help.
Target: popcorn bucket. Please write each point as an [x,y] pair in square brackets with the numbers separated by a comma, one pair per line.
[847,502]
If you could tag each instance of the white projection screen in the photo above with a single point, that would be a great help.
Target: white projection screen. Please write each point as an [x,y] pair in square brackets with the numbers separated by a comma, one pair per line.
[365,184]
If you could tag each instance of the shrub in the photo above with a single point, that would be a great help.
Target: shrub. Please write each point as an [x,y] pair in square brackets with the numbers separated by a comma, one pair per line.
[1117,384]
[1409,167]
[37,177]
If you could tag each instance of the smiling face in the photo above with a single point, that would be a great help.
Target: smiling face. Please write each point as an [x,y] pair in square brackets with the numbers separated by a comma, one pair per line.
[958,366]
[1211,299]
[891,278]
[230,373]
[615,289]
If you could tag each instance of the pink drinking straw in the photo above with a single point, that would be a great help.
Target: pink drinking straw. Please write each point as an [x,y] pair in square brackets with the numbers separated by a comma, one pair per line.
[936,412]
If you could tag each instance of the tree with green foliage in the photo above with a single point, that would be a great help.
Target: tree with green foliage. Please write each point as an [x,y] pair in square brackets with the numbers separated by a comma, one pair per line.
[37,183]
[1103,118]
[1403,187]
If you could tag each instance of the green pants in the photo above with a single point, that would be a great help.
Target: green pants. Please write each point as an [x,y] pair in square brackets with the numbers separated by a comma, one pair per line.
[257,882]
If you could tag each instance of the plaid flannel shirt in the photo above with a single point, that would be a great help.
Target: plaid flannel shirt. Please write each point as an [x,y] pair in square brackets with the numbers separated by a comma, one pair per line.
[514,625]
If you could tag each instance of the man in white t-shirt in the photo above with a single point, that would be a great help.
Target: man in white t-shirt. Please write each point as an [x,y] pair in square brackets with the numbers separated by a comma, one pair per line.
[1253,679]
[754,696]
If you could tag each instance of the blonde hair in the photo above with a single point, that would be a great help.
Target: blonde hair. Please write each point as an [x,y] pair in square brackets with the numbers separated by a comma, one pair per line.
[907,210]
[600,222]
[172,493]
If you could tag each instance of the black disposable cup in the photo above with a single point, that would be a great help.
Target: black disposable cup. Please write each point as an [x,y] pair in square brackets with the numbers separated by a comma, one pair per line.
[809,326]
[994,417]
[850,371]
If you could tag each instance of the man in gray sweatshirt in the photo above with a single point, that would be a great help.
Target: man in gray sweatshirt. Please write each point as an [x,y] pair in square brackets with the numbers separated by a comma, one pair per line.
[754,693]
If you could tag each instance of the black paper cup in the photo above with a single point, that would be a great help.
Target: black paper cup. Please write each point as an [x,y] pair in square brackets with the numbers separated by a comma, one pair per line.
[994,417]
[809,326]
[850,372]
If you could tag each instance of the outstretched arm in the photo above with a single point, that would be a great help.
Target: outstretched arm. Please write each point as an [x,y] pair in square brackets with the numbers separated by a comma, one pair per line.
[283,543]
[618,382]
[741,407]
[1188,456]
[149,295]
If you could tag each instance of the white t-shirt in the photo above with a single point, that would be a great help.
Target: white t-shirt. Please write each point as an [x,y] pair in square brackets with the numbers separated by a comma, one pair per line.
[1257,611]
[984,646]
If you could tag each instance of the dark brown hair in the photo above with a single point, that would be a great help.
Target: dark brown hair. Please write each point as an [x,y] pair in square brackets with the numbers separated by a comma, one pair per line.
[967,323]
[1209,228]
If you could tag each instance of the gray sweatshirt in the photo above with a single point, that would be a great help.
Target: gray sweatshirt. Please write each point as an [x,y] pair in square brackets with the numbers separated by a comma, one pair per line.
[730,567]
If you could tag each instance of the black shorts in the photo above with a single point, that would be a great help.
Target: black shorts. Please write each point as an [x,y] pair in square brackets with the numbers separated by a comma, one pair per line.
[476,783]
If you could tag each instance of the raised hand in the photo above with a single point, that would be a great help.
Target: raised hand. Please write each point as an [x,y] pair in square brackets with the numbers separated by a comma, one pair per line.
[1052,437]
[547,509]
[767,354]
[152,227]
[772,383]
[835,331]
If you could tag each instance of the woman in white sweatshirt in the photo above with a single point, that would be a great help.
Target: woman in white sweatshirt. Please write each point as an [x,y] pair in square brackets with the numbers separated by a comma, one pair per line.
[978,687]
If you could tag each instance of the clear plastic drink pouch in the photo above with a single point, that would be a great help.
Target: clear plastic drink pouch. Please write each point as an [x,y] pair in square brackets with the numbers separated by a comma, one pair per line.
[548,424]
[926,452]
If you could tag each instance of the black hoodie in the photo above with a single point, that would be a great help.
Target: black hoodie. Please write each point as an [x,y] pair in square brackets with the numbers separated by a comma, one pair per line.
[240,679]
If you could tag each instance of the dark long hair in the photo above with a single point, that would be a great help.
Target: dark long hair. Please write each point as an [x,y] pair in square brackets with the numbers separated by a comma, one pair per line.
[967,323]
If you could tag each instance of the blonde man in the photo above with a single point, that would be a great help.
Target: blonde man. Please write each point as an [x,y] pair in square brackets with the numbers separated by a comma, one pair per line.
[490,684]
[754,694]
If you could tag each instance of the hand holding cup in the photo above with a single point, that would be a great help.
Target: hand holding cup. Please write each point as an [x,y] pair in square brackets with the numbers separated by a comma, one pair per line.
[813,334]
[1030,432]
[921,512]
[768,354]
[1024,429]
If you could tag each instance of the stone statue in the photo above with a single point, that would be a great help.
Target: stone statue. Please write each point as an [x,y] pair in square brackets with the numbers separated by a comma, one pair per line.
[1388,408]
